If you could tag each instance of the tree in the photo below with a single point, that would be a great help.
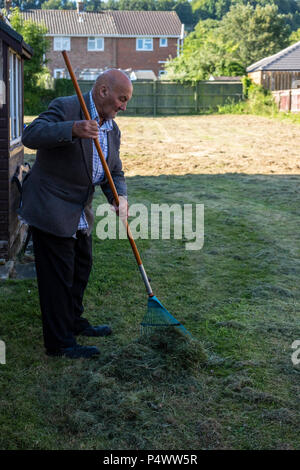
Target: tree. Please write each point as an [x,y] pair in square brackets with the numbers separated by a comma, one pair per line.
[204,53]
[165,5]
[184,11]
[34,35]
[214,9]
[93,5]
[112,5]
[58,5]
[136,5]
[217,9]
[255,32]
[295,36]
[245,35]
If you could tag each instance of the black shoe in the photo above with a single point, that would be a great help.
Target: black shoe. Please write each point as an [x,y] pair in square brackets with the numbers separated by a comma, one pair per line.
[75,352]
[100,330]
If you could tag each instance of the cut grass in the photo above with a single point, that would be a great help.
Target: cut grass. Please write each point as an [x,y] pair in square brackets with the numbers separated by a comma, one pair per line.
[238,296]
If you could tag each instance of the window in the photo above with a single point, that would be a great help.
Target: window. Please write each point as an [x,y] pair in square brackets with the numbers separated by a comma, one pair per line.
[162,74]
[95,44]
[163,42]
[59,73]
[15,97]
[144,44]
[62,44]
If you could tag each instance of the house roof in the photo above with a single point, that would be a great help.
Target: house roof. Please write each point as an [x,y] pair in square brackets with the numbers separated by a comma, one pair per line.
[107,23]
[287,59]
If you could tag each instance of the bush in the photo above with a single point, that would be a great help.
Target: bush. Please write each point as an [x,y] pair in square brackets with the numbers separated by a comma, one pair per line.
[37,100]
[63,87]
[258,101]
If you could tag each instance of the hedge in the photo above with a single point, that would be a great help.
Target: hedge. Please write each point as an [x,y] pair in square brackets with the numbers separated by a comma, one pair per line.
[37,100]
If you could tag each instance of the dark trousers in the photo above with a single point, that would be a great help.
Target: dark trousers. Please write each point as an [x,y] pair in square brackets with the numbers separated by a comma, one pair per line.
[63,266]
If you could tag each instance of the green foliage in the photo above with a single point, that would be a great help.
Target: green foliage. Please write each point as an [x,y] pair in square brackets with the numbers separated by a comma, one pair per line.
[58,5]
[34,35]
[184,11]
[63,87]
[246,81]
[254,32]
[94,5]
[295,36]
[245,35]
[213,9]
[259,101]
[24,4]
[37,100]
[204,53]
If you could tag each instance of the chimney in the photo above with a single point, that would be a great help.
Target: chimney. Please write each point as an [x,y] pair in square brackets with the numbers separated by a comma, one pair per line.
[79,6]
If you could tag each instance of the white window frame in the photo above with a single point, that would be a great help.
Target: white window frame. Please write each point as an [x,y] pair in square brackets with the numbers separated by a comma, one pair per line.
[144,48]
[161,42]
[62,71]
[61,43]
[15,97]
[93,39]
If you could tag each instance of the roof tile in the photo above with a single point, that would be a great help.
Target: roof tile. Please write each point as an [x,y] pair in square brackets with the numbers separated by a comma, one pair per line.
[107,23]
[286,59]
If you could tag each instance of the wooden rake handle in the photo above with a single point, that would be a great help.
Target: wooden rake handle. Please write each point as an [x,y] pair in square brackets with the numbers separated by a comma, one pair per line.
[107,172]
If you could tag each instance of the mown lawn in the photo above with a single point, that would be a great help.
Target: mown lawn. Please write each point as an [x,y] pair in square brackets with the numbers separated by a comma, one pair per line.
[239,296]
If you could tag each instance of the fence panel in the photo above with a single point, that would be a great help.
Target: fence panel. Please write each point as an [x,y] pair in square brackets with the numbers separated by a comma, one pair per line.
[211,95]
[165,98]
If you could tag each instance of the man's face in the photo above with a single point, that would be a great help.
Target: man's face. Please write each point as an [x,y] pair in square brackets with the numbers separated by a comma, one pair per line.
[113,100]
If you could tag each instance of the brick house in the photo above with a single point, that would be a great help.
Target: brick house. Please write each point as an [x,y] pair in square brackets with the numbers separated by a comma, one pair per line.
[95,41]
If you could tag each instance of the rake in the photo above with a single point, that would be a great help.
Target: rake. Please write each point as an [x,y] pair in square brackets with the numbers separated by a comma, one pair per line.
[157,316]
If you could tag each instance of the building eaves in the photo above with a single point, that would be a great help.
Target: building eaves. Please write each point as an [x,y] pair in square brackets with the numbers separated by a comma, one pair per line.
[286,59]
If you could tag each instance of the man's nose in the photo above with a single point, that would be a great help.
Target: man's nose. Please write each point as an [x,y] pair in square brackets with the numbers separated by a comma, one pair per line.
[123,106]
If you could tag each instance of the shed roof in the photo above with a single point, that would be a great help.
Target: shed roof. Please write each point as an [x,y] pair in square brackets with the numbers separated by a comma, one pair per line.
[287,59]
[143,75]
[12,35]
[107,23]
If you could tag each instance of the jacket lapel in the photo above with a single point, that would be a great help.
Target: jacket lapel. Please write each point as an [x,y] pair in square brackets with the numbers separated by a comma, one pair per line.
[87,144]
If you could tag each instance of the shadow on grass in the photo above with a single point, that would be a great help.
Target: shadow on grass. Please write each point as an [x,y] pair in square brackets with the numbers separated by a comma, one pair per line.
[238,295]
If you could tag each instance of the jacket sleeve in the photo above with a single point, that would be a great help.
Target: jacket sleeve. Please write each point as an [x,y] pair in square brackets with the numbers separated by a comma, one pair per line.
[50,129]
[117,175]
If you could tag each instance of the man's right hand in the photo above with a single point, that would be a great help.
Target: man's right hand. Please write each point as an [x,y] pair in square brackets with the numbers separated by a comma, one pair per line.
[85,129]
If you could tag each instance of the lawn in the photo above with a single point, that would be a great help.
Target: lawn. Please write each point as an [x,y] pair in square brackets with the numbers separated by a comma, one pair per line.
[239,296]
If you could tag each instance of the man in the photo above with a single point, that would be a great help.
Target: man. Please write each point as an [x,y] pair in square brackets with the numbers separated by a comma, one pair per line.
[57,199]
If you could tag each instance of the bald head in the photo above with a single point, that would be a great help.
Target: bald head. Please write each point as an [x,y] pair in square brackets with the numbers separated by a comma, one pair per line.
[111,78]
[111,92]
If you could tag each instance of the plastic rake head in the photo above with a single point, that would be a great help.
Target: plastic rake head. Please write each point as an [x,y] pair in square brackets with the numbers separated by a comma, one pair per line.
[159,317]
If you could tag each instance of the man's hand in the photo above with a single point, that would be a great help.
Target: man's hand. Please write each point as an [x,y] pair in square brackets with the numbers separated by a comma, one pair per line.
[122,209]
[85,129]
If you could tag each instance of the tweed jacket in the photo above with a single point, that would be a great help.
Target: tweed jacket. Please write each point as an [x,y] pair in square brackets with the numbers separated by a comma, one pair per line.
[59,185]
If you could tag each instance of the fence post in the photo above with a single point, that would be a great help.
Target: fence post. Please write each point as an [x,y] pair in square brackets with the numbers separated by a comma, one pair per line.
[196,97]
[154,98]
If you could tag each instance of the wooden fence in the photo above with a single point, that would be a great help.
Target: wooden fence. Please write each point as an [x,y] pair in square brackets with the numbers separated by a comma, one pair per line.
[288,100]
[165,98]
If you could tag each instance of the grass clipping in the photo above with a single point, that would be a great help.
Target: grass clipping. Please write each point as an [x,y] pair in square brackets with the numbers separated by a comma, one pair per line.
[175,347]
[163,352]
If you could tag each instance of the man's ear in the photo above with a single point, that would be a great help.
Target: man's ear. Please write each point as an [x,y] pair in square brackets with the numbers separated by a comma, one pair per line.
[103,91]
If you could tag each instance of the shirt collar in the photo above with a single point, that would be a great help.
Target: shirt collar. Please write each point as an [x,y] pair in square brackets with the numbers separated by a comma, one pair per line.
[106,125]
